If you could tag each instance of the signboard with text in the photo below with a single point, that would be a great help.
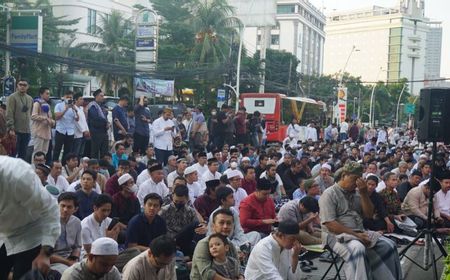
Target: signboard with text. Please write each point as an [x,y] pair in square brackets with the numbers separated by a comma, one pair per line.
[26,32]
[146,40]
[342,104]
[152,87]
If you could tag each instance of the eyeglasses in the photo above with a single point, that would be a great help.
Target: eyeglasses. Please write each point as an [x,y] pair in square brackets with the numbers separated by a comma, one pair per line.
[22,85]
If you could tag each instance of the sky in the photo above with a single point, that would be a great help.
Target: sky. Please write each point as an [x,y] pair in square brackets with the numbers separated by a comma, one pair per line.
[434,9]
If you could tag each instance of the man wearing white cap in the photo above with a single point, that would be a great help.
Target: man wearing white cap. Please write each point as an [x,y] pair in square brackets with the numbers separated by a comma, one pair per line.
[178,172]
[155,263]
[324,180]
[234,179]
[125,203]
[195,188]
[153,185]
[99,264]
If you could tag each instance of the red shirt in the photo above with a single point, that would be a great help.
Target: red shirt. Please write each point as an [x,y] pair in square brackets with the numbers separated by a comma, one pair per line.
[249,186]
[252,212]
[239,123]
[112,185]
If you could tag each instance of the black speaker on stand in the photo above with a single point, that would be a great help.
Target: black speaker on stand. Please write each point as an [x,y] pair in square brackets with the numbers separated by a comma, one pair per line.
[433,126]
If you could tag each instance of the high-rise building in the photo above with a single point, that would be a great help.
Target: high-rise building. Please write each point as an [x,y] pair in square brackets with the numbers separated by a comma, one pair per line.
[299,30]
[386,44]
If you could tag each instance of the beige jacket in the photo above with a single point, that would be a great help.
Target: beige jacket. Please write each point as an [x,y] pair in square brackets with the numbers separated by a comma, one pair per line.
[416,204]
[42,122]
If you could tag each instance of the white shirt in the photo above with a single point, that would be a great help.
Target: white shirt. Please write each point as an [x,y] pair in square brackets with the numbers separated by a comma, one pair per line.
[269,261]
[72,187]
[91,230]
[443,202]
[201,170]
[344,127]
[228,170]
[208,176]
[171,178]
[151,187]
[239,195]
[61,183]
[195,190]
[163,139]
[141,178]
[293,131]
[311,133]
[81,125]
[29,215]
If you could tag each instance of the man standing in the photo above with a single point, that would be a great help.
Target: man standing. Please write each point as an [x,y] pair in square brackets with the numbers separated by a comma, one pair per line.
[98,125]
[142,130]
[66,116]
[81,126]
[198,131]
[29,219]
[164,132]
[158,262]
[119,115]
[342,209]
[42,122]
[240,122]
[18,117]
[343,132]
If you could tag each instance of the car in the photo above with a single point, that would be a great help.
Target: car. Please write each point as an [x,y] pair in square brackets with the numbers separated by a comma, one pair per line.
[155,109]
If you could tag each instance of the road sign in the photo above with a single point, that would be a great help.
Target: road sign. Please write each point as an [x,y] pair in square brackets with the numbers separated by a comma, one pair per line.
[410,109]
[9,85]
[221,97]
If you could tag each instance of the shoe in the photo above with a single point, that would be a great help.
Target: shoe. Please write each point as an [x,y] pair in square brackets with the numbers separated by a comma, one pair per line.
[326,257]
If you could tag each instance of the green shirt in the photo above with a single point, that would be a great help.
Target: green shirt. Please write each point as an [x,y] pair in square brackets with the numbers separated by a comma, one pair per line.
[17,118]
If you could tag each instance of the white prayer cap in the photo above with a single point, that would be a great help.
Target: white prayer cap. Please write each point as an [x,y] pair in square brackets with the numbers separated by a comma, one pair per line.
[105,246]
[234,173]
[423,183]
[85,159]
[245,159]
[189,170]
[326,166]
[124,178]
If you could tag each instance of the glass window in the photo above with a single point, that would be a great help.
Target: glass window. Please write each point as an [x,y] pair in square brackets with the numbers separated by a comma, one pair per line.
[395,40]
[286,9]
[394,49]
[275,40]
[396,31]
[92,21]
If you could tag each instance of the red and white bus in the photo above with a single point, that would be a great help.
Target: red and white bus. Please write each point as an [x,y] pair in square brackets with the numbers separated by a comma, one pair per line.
[279,109]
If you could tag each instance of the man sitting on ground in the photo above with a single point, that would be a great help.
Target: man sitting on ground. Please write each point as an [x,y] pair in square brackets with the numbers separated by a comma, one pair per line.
[304,212]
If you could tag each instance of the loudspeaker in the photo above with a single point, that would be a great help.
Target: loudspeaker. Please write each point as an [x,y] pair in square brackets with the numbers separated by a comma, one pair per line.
[434,115]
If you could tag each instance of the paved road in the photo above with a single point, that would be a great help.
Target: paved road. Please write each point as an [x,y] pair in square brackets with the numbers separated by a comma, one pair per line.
[410,271]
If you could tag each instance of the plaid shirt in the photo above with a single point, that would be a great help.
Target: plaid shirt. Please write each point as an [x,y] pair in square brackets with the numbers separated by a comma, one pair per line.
[392,202]
[177,220]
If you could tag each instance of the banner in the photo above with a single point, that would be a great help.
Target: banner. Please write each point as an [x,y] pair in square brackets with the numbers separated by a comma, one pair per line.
[151,87]
[342,104]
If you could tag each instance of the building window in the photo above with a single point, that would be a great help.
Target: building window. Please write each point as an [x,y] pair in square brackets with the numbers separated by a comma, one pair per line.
[275,40]
[258,39]
[92,21]
[286,9]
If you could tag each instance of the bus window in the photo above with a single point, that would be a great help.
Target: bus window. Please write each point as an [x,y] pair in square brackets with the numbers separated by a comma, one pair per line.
[263,105]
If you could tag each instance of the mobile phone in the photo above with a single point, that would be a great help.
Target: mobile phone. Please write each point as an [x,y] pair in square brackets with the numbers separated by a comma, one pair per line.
[113,223]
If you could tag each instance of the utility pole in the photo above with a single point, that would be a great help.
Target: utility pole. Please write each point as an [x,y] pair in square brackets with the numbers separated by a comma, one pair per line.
[265,38]
[289,78]
[8,40]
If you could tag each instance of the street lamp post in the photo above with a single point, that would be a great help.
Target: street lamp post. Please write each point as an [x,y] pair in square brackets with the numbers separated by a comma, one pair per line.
[398,105]
[371,110]
[354,106]
[354,49]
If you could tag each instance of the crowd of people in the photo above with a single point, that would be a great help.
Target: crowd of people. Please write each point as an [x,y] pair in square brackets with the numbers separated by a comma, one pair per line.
[85,195]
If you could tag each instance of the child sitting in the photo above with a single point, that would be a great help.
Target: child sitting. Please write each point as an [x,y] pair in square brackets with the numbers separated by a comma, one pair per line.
[227,267]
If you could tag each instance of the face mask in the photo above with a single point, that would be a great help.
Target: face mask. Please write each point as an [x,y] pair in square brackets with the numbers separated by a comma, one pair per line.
[214,113]
[133,188]
[179,205]
[233,165]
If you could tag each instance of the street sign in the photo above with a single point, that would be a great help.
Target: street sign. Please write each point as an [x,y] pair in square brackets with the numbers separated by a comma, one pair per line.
[410,108]
[9,85]
[26,32]
[221,97]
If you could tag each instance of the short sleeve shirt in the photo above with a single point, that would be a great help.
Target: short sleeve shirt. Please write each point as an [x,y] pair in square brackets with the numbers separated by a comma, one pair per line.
[140,231]
[65,125]
[341,206]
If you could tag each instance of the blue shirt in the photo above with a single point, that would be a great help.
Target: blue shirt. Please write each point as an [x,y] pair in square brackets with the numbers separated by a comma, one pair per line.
[85,203]
[298,194]
[141,127]
[119,113]
[140,231]
[115,159]
[66,124]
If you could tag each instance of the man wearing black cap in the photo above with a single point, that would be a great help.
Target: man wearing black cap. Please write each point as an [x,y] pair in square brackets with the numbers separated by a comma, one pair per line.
[98,125]
[405,187]
[276,256]
[207,202]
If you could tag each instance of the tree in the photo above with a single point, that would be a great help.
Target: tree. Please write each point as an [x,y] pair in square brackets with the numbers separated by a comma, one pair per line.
[116,47]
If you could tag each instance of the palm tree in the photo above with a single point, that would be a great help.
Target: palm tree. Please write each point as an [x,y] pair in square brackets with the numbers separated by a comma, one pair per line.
[213,26]
[116,47]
